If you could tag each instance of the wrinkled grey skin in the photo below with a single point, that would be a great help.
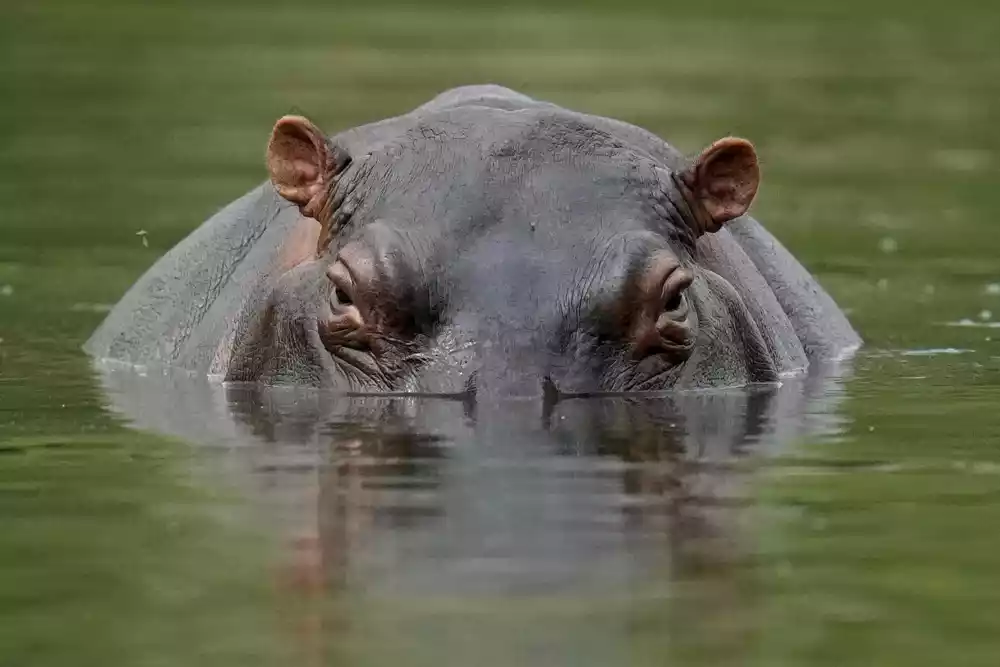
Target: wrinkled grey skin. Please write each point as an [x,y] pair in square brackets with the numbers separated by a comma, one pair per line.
[504,230]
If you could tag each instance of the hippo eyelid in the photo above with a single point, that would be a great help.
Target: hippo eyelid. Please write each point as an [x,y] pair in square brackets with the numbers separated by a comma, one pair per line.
[672,292]
[339,274]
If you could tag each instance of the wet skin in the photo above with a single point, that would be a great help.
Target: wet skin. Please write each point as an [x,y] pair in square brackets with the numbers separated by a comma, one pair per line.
[484,244]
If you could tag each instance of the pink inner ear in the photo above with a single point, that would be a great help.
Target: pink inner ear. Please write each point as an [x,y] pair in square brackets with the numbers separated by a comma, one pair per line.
[302,171]
[295,158]
[727,179]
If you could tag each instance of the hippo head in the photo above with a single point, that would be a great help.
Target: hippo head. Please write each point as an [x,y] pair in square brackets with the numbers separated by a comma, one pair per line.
[509,252]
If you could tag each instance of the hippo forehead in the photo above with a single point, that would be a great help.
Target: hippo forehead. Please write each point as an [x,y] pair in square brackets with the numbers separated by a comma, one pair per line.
[475,165]
[530,133]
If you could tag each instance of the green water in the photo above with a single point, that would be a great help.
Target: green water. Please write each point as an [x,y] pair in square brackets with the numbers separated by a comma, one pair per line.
[123,125]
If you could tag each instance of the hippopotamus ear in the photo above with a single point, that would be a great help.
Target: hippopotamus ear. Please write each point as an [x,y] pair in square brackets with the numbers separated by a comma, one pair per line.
[302,163]
[722,181]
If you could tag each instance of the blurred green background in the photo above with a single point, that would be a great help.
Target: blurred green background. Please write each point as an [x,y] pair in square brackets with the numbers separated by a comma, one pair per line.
[123,125]
[875,121]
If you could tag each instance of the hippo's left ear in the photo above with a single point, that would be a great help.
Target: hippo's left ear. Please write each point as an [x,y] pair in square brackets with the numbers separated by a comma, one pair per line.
[303,163]
[722,182]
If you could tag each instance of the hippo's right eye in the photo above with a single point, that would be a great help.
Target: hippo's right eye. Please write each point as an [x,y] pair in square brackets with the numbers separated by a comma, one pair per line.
[662,320]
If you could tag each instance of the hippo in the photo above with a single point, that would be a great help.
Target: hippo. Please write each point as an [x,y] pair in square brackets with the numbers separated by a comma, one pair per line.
[484,244]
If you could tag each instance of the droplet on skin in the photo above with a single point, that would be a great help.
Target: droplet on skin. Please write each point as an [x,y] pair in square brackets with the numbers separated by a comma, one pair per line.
[993,289]
[7,290]
[929,290]
[985,315]
[882,284]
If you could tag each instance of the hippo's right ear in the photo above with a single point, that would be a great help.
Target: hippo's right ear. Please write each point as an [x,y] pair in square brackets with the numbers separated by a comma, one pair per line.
[722,182]
[302,163]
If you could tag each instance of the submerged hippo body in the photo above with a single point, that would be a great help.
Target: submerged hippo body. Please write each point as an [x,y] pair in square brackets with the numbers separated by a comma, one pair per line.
[484,242]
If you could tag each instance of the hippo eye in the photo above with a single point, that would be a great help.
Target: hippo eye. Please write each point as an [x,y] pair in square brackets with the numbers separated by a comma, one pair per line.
[662,327]
[345,328]
[343,299]
[672,294]
[674,302]
[342,283]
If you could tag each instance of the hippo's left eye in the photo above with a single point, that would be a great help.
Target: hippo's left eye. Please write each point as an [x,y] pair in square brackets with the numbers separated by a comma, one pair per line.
[674,303]
[672,293]
[346,326]
[341,297]
[342,284]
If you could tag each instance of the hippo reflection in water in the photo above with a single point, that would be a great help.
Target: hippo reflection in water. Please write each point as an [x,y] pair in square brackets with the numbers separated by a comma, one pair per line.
[484,244]
[633,522]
